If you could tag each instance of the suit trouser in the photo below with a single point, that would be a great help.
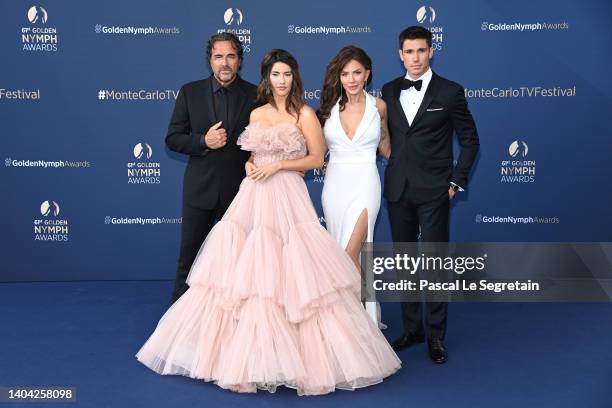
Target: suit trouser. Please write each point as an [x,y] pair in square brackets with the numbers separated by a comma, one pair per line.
[196,225]
[405,216]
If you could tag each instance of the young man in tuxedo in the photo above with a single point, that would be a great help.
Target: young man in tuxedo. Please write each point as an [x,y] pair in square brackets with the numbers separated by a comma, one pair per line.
[420,180]
[208,117]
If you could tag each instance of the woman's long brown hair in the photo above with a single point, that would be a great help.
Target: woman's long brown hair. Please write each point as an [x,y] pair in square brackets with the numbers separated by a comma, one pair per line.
[332,87]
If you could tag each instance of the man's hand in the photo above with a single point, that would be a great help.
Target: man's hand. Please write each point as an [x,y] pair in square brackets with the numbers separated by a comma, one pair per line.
[216,137]
[451,193]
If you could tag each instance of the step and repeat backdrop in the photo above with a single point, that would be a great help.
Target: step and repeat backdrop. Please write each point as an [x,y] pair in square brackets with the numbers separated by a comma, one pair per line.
[90,190]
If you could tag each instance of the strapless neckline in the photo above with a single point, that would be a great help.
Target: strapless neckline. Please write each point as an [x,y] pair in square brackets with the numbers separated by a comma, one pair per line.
[277,125]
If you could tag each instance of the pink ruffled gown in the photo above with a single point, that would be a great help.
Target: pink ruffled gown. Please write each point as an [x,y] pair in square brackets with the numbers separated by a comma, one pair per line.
[273,299]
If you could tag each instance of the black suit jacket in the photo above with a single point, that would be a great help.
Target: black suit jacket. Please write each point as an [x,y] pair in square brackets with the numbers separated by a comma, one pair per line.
[211,174]
[422,153]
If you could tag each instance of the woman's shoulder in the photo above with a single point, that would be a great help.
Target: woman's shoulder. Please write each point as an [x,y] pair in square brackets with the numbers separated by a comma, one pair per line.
[308,113]
[308,119]
[308,116]
[258,113]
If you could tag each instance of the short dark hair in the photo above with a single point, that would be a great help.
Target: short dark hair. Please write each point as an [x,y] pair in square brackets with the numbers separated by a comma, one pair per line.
[414,33]
[224,37]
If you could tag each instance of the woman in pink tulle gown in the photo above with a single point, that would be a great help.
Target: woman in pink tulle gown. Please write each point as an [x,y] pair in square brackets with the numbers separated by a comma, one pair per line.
[273,299]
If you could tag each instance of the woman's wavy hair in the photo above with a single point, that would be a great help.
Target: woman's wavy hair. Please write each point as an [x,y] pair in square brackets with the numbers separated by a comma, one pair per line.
[295,99]
[332,87]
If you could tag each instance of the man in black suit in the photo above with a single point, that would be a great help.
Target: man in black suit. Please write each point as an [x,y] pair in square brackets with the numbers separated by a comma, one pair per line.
[208,117]
[420,180]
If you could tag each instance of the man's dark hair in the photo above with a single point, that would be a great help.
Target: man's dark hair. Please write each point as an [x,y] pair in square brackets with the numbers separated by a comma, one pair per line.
[415,33]
[224,37]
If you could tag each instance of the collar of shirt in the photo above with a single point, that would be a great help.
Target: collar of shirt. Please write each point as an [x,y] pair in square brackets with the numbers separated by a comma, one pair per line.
[216,85]
[426,78]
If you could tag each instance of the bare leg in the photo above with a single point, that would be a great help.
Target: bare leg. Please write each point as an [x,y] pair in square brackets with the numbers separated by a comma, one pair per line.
[358,237]
[353,249]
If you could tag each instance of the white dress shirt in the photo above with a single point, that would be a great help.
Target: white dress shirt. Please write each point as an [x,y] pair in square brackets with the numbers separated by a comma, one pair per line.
[411,98]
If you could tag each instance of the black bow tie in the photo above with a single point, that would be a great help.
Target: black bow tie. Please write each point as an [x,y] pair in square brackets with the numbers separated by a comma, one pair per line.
[407,84]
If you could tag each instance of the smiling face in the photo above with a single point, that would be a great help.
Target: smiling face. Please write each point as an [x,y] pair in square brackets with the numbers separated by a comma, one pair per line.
[281,78]
[415,54]
[224,61]
[354,77]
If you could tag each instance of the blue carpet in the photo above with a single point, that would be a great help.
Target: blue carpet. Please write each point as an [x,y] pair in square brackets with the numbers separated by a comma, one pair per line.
[85,335]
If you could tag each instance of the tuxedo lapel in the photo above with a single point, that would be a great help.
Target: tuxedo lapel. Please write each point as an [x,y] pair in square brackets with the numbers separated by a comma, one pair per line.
[432,89]
[397,89]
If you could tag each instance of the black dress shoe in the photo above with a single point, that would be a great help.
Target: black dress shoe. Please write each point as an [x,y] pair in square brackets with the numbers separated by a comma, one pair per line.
[437,351]
[407,340]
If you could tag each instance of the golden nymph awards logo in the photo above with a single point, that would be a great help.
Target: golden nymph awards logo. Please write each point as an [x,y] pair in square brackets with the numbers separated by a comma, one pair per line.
[143,170]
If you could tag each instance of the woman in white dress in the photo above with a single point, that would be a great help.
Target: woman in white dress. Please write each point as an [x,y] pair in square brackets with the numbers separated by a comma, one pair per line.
[355,128]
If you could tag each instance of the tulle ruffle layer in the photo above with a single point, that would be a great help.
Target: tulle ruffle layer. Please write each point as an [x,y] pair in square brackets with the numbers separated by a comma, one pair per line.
[273,300]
